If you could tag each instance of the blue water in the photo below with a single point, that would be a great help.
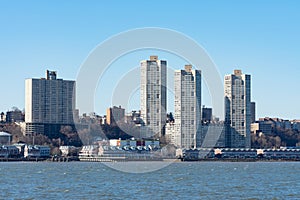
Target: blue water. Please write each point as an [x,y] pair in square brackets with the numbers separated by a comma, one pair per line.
[188,180]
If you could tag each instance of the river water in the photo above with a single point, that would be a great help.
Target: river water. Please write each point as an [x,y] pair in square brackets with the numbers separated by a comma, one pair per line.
[184,180]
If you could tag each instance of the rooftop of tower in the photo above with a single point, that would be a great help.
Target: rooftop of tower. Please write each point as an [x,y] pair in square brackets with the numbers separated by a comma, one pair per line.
[188,68]
[238,72]
[153,58]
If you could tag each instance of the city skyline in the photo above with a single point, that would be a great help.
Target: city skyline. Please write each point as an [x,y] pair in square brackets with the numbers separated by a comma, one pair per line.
[265,45]
[159,99]
[136,108]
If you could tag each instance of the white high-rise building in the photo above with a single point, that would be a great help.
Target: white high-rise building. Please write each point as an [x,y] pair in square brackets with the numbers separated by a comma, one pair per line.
[153,96]
[188,108]
[237,110]
[49,103]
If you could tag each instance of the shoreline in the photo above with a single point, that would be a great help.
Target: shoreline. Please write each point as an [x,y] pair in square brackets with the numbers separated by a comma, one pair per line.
[72,159]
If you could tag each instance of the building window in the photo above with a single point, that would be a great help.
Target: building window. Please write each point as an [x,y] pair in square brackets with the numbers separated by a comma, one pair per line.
[192,94]
[182,93]
[233,111]
[243,97]
[233,123]
[192,109]
[243,111]
[233,96]
[182,109]
[243,124]
[192,122]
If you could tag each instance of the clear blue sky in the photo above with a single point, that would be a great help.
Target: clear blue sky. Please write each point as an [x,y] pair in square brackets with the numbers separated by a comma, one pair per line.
[260,37]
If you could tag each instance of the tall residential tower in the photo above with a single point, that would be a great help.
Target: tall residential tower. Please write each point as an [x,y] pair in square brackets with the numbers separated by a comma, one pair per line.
[49,104]
[187,108]
[153,96]
[237,110]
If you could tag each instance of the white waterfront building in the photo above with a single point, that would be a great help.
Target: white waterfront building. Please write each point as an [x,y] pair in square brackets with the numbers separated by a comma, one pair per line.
[36,151]
[153,96]
[187,108]
[237,110]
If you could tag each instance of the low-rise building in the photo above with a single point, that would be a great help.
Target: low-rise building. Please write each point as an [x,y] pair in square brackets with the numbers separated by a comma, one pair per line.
[263,126]
[276,122]
[115,115]
[2,117]
[134,117]
[170,133]
[206,115]
[5,138]
[134,143]
[281,153]
[89,151]
[67,150]
[255,128]
[237,153]
[296,125]
[15,116]
[21,148]
[36,151]
[9,151]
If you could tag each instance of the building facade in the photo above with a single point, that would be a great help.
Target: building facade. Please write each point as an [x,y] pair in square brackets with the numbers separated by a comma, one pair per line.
[2,117]
[49,104]
[115,115]
[296,124]
[213,135]
[14,116]
[5,138]
[134,117]
[253,112]
[153,96]
[170,133]
[187,108]
[206,115]
[237,110]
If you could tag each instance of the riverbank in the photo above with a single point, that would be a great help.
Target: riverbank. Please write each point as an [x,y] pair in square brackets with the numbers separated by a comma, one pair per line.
[242,160]
[107,159]
[51,159]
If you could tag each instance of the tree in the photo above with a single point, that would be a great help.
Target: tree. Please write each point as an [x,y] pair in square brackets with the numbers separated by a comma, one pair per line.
[70,137]
[277,141]
[279,137]
[56,151]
